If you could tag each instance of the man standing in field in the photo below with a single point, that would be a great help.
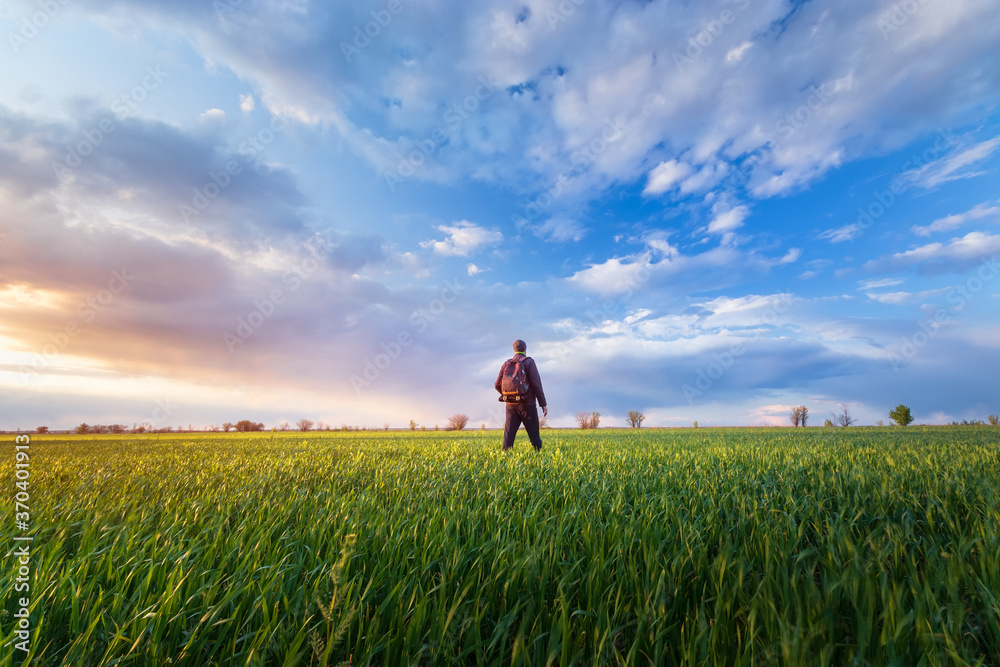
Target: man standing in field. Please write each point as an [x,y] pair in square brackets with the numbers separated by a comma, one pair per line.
[520,386]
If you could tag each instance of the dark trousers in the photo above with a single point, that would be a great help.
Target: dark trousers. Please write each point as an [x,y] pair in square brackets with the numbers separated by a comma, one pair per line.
[517,414]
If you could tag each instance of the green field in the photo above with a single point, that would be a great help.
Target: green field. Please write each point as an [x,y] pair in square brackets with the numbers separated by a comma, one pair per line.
[860,546]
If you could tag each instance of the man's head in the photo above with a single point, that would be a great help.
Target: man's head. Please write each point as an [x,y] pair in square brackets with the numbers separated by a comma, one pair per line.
[520,346]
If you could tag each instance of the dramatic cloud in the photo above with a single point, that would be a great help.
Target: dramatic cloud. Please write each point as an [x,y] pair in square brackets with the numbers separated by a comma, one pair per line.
[284,209]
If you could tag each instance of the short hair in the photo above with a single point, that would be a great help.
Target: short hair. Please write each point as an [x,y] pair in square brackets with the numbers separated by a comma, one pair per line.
[520,345]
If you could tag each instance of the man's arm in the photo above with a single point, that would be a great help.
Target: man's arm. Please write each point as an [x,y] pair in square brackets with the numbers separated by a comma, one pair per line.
[536,383]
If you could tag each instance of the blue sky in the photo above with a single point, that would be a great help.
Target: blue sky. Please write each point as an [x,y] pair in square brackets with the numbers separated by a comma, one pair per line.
[704,211]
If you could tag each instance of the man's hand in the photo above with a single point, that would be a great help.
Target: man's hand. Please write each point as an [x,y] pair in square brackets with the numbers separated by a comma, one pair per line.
[545,411]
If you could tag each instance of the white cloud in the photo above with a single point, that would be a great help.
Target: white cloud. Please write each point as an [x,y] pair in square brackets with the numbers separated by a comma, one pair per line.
[247,103]
[727,219]
[560,228]
[736,53]
[959,254]
[473,269]
[841,234]
[464,238]
[979,212]
[213,114]
[903,298]
[878,283]
[665,176]
[952,167]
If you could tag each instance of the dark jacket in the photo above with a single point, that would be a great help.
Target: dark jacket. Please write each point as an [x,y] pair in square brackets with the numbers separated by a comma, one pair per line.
[534,382]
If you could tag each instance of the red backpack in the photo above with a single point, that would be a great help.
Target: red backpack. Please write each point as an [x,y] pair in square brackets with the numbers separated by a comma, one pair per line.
[514,382]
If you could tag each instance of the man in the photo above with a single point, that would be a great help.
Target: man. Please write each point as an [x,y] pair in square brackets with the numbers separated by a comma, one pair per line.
[522,410]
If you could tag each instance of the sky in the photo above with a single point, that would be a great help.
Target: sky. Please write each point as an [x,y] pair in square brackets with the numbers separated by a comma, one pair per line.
[713,211]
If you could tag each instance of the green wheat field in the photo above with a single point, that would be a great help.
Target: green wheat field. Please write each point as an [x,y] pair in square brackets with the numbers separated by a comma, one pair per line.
[819,546]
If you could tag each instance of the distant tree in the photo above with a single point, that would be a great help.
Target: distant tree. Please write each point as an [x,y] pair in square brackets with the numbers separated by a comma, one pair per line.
[304,424]
[635,418]
[588,421]
[799,415]
[385,426]
[413,425]
[457,422]
[879,423]
[227,427]
[901,415]
[284,426]
[214,428]
[320,426]
[435,427]
[42,429]
[696,423]
[82,428]
[843,418]
[543,422]
[483,427]
[245,426]
[827,423]
[994,420]
[118,428]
